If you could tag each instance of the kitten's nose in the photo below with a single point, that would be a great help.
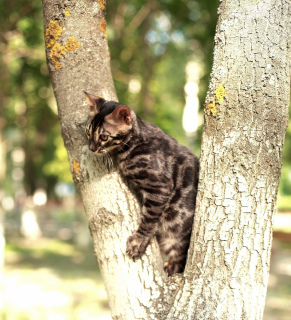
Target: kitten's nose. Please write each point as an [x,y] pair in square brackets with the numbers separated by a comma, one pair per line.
[92,147]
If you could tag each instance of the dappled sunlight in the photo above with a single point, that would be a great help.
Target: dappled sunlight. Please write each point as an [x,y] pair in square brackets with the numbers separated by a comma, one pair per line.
[31,290]
[41,294]
[53,279]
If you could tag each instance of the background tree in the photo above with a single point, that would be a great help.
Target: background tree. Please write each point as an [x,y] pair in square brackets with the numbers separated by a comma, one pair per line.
[245,121]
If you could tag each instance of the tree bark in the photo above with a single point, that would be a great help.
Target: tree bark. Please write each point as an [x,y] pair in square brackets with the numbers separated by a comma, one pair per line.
[241,157]
[246,115]
[136,289]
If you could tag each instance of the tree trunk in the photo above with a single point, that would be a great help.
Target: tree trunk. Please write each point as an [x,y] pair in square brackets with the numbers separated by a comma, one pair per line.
[246,116]
[136,289]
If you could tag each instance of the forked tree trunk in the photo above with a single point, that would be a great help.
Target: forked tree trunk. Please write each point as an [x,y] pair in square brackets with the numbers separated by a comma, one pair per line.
[246,115]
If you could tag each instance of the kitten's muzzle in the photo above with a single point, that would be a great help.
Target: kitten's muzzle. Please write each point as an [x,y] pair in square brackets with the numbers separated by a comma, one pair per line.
[92,147]
[95,149]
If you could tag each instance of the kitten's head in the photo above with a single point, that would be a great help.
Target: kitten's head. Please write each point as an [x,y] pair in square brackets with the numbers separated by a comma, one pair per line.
[109,125]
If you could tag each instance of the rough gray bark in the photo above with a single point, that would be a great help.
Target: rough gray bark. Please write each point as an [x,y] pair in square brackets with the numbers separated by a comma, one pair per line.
[228,262]
[227,271]
[136,290]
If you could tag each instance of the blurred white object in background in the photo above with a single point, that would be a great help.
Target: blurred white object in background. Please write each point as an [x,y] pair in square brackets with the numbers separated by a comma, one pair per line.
[29,225]
[191,119]
[39,197]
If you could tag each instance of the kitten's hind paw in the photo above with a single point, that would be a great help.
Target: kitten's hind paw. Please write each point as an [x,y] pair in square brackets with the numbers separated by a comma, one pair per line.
[136,246]
[171,268]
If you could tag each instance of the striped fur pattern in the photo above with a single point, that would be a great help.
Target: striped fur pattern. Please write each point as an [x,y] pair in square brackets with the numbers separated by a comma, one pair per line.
[162,173]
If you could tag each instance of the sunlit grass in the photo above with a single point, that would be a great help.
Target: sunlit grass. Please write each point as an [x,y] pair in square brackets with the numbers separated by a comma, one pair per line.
[55,280]
[51,279]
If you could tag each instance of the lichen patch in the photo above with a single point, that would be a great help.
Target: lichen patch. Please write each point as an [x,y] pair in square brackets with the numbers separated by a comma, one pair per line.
[67,12]
[52,33]
[219,93]
[72,44]
[102,4]
[57,53]
[212,108]
[103,27]
[76,168]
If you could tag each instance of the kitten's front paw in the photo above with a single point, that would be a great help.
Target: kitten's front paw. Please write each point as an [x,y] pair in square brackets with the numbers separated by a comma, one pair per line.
[171,268]
[136,245]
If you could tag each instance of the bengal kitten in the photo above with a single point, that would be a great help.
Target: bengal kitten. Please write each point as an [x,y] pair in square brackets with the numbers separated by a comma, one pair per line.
[161,172]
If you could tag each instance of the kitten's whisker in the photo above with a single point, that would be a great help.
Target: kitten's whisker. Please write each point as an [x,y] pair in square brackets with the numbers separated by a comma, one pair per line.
[104,157]
[125,144]
[109,161]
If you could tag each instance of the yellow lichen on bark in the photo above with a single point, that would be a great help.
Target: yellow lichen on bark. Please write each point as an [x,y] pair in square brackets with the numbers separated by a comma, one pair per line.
[219,93]
[103,27]
[211,107]
[76,168]
[72,44]
[52,33]
[56,54]
[67,12]
[102,4]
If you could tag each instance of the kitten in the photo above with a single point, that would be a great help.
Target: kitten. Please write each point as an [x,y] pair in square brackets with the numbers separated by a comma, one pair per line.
[161,172]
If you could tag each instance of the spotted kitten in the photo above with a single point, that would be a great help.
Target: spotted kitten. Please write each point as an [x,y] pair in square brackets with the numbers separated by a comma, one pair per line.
[162,173]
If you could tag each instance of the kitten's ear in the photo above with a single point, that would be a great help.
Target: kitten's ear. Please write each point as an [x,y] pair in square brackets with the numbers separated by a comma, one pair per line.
[95,102]
[121,115]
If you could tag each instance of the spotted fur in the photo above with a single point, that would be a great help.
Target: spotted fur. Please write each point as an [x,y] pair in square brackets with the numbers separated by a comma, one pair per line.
[161,172]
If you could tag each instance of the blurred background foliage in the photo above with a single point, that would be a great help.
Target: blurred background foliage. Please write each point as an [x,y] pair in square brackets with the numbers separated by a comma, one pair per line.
[152,45]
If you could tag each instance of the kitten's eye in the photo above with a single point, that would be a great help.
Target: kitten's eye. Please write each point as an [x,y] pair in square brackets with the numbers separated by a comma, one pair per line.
[104,137]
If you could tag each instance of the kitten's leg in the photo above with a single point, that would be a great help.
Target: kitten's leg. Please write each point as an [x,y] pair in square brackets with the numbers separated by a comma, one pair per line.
[171,268]
[136,244]
[150,219]
[175,248]
[175,265]
[174,239]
